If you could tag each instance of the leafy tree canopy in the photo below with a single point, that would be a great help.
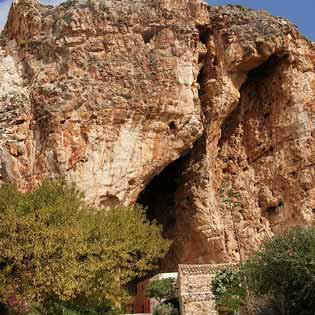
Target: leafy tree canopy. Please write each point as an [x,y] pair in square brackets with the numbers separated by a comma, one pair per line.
[54,246]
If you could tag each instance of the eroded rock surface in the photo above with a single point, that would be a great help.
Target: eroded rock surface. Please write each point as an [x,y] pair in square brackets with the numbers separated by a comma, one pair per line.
[208,111]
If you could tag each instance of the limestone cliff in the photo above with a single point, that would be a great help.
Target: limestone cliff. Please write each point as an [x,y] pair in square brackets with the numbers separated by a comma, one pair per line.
[203,114]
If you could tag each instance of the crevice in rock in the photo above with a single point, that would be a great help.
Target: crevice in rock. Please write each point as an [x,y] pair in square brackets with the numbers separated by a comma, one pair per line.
[274,210]
[172,126]
[148,35]
[204,33]
[229,125]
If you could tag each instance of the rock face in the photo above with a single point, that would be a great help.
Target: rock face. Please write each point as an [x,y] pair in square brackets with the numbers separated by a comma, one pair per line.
[205,115]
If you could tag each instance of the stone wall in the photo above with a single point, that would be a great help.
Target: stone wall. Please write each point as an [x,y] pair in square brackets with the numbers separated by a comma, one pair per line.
[195,293]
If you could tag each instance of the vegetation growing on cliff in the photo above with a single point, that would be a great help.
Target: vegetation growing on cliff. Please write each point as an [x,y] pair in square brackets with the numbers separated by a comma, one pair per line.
[55,249]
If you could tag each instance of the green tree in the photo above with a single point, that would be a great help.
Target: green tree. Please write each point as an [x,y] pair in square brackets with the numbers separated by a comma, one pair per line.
[284,268]
[161,289]
[54,247]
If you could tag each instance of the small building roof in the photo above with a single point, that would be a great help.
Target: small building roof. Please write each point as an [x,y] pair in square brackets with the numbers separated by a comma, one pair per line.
[204,269]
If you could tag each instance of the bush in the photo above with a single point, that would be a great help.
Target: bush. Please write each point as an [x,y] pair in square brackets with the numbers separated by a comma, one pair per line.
[228,291]
[284,269]
[54,247]
[165,309]
[280,277]
[76,307]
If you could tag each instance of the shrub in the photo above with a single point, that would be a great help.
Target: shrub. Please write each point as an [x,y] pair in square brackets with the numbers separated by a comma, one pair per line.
[76,307]
[284,269]
[228,291]
[56,248]
[280,277]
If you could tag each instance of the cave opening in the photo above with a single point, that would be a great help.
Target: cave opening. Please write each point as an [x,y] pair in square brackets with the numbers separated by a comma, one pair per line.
[159,197]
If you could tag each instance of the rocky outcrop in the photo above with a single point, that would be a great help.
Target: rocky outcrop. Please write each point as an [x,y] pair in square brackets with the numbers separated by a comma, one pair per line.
[252,172]
[203,114]
[113,94]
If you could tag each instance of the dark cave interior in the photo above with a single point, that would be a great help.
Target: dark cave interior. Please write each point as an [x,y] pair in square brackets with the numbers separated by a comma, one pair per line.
[159,197]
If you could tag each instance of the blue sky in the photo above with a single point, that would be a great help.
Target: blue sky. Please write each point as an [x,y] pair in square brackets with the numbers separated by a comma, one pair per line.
[299,12]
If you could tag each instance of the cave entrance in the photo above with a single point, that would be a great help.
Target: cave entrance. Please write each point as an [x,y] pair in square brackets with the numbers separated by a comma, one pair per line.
[159,197]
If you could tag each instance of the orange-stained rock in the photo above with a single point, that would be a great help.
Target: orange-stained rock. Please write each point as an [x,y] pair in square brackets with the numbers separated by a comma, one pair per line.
[109,93]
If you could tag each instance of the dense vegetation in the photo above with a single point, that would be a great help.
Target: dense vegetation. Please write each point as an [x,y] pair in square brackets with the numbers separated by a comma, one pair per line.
[284,269]
[58,253]
[280,277]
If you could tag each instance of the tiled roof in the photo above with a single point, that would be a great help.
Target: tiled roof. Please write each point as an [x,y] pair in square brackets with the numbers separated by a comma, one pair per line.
[204,269]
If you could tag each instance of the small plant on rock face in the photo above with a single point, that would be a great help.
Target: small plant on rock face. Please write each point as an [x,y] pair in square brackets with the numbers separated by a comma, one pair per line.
[196,100]
[15,98]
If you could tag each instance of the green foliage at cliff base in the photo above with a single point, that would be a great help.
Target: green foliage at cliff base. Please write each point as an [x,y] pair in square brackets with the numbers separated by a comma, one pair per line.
[280,277]
[54,247]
